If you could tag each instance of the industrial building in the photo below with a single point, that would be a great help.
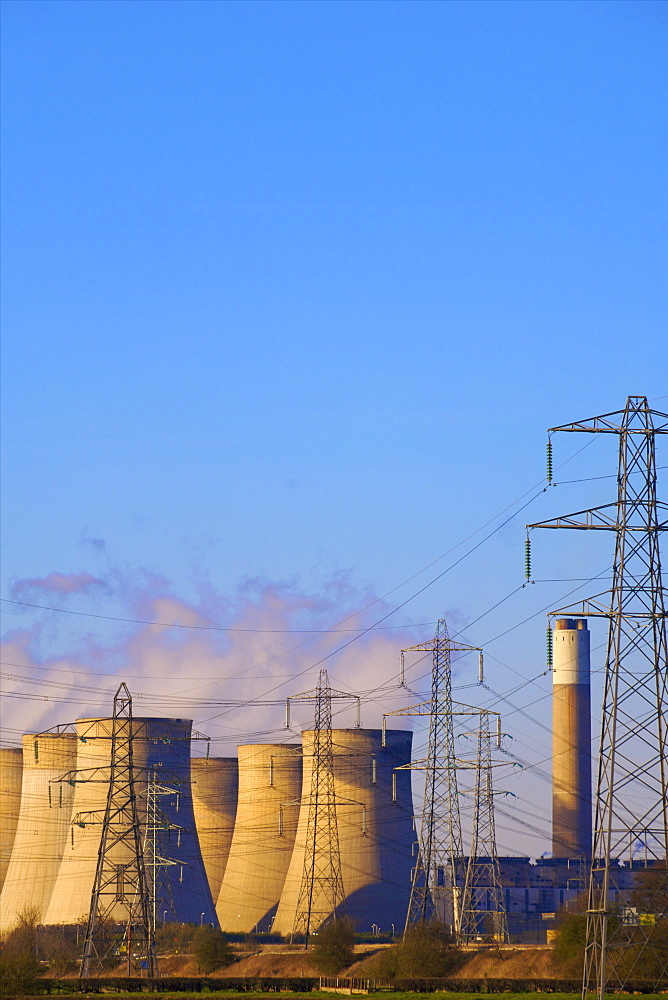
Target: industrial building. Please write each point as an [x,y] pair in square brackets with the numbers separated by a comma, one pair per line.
[375,826]
[11,776]
[270,781]
[161,750]
[233,830]
[43,826]
[215,788]
[571,740]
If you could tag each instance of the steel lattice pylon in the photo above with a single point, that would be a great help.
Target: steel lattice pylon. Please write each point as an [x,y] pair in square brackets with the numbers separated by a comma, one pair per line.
[155,863]
[439,873]
[626,928]
[321,893]
[120,877]
[483,906]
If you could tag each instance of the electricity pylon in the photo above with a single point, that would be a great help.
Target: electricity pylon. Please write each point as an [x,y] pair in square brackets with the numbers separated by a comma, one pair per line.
[120,890]
[321,893]
[631,815]
[438,875]
[155,863]
[483,905]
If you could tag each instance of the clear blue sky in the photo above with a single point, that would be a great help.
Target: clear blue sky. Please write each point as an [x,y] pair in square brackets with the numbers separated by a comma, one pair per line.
[291,292]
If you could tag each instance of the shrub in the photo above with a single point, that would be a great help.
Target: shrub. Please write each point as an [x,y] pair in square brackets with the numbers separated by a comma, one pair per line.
[211,949]
[427,951]
[175,937]
[334,947]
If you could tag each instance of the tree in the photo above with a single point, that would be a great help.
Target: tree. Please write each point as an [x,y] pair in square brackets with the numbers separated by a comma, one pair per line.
[651,890]
[211,949]
[335,947]
[22,939]
[569,945]
[19,974]
[19,965]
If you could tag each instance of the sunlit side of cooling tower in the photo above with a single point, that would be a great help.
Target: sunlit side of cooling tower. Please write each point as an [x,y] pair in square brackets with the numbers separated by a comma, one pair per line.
[374,811]
[571,740]
[11,769]
[43,826]
[161,754]
[270,780]
[215,787]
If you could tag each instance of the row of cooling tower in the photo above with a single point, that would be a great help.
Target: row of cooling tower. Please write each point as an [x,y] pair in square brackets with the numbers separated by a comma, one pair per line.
[230,832]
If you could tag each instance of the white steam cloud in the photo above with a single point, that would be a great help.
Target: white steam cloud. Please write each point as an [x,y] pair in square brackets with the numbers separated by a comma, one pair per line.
[64,666]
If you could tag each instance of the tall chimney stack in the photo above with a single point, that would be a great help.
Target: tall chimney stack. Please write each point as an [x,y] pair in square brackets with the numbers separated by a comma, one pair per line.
[571,740]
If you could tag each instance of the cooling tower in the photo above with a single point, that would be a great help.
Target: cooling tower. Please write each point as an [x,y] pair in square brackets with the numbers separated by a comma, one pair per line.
[161,753]
[571,740]
[215,785]
[43,826]
[375,824]
[11,765]
[270,781]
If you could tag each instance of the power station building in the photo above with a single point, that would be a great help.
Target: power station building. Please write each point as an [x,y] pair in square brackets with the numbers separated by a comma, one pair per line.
[270,782]
[43,827]
[374,812]
[571,740]
[215,787]
[11,776]
[161,752]
[232,831]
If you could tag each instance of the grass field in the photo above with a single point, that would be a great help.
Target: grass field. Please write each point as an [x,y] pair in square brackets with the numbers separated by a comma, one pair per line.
[317,995]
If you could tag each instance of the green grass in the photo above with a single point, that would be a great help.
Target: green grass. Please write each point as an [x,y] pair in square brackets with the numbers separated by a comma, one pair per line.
[317,995]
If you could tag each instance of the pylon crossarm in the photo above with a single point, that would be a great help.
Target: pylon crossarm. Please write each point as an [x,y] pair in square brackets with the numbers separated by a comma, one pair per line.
[429,646]
[606,424]
[95,774]
[92,817]
[61,730]
[595,520]
[427,765]
[425,708]
[594,517]
[592,607]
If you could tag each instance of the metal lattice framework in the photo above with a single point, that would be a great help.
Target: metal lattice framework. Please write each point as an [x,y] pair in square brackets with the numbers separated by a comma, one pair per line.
[321,893]
[158,828]
[483,905]
[440,872]
[120,879]
[627,927]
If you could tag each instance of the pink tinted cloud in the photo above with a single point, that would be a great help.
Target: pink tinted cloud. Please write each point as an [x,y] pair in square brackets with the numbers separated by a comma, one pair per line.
[56,583]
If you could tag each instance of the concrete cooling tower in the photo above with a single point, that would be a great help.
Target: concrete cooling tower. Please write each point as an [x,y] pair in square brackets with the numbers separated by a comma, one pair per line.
[161,753]
[43,826]
[11,767]
[215,786]
[270,781]
[571,740]
[375,823]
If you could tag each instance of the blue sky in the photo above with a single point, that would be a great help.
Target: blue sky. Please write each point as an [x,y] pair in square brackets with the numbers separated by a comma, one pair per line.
[291,292]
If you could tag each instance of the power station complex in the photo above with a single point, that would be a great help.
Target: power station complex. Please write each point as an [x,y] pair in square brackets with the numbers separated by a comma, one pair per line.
[229,834]
[232,831]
